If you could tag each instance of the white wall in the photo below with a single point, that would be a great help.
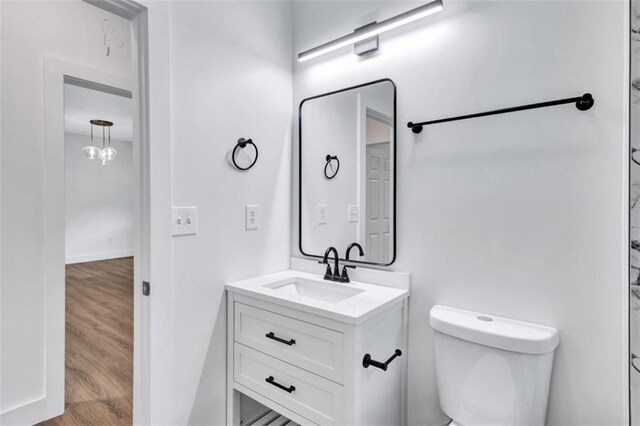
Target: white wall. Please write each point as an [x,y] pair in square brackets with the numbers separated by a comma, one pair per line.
[98,202]
[231,77]
[520,215]
[70,30]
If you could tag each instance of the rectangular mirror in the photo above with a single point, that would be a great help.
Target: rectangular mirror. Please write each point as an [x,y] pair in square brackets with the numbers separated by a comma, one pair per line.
[347,172]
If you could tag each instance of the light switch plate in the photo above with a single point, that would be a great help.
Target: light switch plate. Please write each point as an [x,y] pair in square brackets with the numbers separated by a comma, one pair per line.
[185,221]
[251,217]
[354,213]
[322,214]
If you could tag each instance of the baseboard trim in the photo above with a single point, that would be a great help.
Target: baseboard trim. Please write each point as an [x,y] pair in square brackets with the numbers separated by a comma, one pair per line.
[31,412]
[98,256]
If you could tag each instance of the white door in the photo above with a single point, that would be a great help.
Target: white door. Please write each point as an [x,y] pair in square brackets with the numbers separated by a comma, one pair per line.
[378,189]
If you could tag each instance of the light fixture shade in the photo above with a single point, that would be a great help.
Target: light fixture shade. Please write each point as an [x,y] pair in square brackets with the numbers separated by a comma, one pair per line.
[91,152]
[107,154]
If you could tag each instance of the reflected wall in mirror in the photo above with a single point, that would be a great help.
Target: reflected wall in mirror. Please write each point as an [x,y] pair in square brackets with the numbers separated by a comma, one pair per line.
[347,172]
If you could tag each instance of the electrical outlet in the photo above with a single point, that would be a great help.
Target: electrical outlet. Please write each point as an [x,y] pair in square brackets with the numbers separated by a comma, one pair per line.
[251,217]
[185,220]
[322,214]
[191,220]
[354,213]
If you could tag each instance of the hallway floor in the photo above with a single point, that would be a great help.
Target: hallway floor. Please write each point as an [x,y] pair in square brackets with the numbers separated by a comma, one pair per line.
[99,344]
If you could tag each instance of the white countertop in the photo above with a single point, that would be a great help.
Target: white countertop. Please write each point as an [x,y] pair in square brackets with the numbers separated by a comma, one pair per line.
[373,299]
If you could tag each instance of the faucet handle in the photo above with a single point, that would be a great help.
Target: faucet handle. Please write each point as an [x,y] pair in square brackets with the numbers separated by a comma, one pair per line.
[327,273]
[345,277]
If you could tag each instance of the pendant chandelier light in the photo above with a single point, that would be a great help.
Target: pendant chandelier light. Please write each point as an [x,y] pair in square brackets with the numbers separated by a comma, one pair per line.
[107,153]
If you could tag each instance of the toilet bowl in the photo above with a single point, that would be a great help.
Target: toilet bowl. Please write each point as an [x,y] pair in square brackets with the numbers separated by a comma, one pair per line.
[492,370]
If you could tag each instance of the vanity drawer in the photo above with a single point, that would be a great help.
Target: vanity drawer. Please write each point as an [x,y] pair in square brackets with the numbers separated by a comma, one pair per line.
[312,397]
[308,346]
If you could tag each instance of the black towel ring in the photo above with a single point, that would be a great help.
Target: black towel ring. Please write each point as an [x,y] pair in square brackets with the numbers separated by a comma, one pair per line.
[242,142]
[329,158]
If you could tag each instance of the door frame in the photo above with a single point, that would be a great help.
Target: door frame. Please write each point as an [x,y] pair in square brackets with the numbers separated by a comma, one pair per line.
[153,376]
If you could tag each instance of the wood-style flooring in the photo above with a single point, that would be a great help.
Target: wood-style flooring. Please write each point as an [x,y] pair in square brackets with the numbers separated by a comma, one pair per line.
[99,344]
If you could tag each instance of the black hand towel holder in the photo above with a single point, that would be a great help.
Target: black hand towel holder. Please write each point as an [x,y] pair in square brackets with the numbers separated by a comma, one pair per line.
[368,361]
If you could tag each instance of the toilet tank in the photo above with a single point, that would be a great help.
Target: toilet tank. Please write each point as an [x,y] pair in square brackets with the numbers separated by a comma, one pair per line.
[492,370]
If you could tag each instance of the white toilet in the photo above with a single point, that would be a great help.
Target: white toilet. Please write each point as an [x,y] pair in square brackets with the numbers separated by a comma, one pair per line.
[491,370]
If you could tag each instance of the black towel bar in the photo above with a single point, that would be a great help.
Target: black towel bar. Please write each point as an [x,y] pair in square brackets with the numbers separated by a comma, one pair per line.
[583,103]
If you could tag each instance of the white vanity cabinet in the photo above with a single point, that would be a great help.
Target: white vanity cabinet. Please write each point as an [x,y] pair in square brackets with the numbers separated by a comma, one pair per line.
[306,363]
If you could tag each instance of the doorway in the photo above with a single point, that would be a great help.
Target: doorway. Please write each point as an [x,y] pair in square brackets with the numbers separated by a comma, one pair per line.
[99,270]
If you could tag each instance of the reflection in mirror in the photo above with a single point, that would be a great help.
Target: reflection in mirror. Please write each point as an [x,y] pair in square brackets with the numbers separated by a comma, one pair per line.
[352,129]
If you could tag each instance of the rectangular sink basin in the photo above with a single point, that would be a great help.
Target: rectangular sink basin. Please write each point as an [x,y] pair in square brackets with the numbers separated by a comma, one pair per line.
[302,289]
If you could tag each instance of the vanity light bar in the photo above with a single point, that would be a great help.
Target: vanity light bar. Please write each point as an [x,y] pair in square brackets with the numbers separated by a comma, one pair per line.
[373,30]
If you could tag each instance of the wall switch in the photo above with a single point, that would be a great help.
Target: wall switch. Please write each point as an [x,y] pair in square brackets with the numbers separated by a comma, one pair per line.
[185,221]
[322,214]
[251,217]
[354,213]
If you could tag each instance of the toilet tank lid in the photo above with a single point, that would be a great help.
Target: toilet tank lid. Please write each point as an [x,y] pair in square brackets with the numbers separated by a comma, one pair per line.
[490,330]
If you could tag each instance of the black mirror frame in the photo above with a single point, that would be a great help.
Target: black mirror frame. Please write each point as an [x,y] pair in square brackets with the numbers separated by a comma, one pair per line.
[395,172]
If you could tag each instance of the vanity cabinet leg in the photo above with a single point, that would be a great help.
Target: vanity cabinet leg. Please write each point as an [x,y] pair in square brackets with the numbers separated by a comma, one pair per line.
[233,408]
[233,396]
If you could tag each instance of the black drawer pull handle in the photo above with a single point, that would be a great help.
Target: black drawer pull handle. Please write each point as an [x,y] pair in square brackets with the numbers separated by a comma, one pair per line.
[273,382]
[277,339]
[367,361]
